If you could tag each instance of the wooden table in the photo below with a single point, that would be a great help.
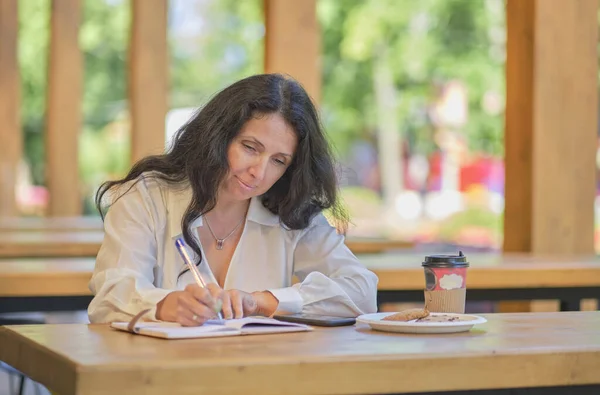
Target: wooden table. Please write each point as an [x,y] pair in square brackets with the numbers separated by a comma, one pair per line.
[45,277]
[39,284]
[45,284]
[359,245]
[509,351]
[63,243]
[27,244]
[60,224]
[495,277]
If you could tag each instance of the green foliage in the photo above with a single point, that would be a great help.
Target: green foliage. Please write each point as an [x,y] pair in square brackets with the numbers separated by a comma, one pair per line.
[104,38]
[228,46]
[359,201]
[225,45]
[214,43]
[32,49]
[428,42]
[473,217]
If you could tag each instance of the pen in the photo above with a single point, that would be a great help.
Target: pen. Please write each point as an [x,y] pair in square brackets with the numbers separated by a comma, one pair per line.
[181,247]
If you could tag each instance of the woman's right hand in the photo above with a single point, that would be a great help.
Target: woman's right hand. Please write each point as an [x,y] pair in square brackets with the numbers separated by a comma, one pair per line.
[191,307]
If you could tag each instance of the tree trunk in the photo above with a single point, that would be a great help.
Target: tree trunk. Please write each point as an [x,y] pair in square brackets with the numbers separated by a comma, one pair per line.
[388,139]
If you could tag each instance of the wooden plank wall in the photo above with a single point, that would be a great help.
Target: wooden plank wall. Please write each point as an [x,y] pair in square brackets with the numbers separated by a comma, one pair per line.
[551,127]
[148,77]
[292,42]
[10,125]
[64,109]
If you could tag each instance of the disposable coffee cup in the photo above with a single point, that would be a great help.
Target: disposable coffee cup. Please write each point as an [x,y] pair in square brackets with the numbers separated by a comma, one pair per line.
[445,283]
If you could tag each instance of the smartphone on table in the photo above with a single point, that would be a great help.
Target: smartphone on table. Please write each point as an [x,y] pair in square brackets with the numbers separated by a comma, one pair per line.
[316,320]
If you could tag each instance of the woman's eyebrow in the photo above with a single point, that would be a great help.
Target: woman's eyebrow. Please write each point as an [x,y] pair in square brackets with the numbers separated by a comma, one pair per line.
[263,146]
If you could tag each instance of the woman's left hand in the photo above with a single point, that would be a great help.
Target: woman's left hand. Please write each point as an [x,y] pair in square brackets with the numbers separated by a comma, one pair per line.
[238,304]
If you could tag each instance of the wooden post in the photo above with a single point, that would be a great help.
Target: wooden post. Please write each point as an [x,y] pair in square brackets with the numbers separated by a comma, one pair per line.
[148,77]
[10,125]
[64,109]
[292,42]
[551,126]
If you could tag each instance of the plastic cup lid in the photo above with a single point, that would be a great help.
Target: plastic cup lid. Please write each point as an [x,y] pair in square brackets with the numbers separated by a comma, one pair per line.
[446,260]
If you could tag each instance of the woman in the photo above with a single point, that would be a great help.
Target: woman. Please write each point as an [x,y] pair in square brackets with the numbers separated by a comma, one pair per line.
[245,183]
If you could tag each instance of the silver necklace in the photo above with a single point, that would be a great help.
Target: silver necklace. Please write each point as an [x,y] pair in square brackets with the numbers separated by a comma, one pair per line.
[220,242]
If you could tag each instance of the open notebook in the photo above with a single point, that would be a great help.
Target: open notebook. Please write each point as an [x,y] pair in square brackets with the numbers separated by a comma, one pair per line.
[213,328]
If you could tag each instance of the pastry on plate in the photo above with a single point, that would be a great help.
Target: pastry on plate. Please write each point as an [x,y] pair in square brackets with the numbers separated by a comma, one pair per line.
[407,315]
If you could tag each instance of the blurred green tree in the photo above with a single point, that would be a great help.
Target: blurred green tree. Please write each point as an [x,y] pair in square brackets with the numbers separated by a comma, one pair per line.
[426,43]
[212,43]
[418,43]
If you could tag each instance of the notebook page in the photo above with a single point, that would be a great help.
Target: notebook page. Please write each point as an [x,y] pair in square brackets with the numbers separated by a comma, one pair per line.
[257,325]
[169,330]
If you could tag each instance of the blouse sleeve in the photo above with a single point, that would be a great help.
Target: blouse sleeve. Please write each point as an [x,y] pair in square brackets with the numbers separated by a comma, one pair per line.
[123,278]
[332,280]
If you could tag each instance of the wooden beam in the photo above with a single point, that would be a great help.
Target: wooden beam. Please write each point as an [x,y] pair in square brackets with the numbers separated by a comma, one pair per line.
[63,116]
[10,125]
[292,42]
[565,122]
[148,77]
[518,137]
[551,126]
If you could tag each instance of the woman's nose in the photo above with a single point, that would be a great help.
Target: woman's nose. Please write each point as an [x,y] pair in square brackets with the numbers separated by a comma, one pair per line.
[259,169]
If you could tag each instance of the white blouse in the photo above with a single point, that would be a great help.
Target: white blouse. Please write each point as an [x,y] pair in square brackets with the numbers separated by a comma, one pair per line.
[138,264]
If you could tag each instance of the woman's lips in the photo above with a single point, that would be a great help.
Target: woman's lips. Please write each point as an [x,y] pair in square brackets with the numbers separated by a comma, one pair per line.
[246,186]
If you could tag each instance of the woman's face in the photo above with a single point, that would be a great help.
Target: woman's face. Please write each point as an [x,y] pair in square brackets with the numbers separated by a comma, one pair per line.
[258,156]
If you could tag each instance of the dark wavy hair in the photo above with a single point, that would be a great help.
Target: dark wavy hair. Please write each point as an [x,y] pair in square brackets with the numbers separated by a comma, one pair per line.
[198,155]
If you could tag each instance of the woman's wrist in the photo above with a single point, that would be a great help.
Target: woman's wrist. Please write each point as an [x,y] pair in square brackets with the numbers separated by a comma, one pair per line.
[267,303]
[160,308]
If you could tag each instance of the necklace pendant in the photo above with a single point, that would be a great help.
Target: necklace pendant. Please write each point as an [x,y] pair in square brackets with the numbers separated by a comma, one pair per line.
[220,244]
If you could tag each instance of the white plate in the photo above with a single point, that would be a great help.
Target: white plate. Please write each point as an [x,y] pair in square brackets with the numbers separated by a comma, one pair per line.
[464,323]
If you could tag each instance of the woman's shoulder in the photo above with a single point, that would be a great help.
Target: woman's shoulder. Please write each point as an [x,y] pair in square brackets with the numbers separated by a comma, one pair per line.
[146,196]
[318,223]
[325,225]
[148,187]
